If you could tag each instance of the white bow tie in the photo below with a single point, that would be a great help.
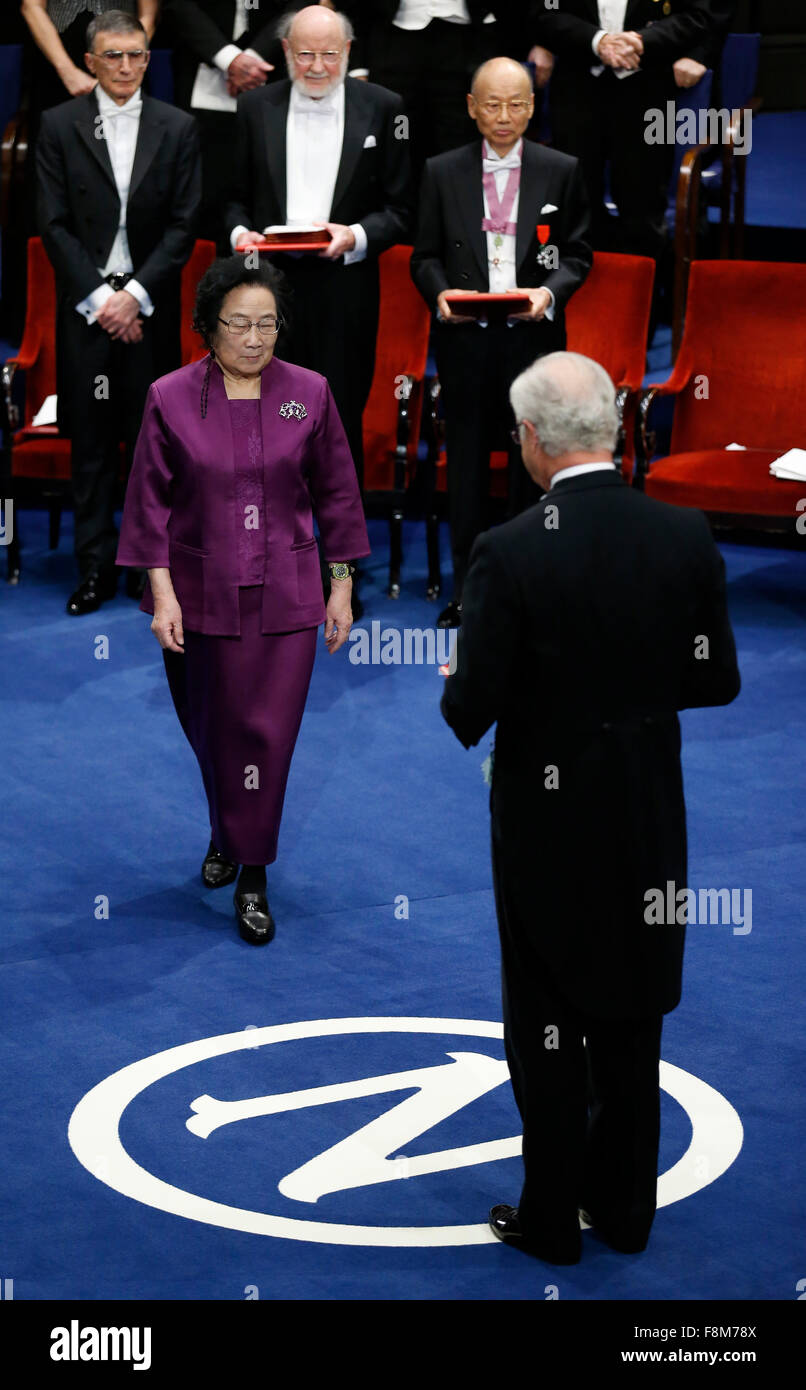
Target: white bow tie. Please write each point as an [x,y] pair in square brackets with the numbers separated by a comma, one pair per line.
[510,161]
[315,106]
[112,112]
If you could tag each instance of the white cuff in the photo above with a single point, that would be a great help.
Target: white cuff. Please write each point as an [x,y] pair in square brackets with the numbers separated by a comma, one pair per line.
[226,55]
[90,306]
[359,251]
[142,296]
[549,314]
[358,72]
[235,233]
[597,39]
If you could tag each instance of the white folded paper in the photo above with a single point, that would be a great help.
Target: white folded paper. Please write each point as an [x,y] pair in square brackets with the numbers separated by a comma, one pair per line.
[791,465]
[292,227]
[210,91]
[46,414]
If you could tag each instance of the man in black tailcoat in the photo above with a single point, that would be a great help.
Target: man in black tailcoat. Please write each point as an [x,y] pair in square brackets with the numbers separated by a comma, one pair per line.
[589,621]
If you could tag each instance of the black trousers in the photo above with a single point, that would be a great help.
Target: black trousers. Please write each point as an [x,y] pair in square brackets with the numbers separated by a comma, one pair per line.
[333,330]
[218,133]
[588,1093]
[430,69]
[102,386]
[476,368]
[601,119]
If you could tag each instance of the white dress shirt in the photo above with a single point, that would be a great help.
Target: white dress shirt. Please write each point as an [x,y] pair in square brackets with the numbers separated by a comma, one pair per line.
[120,126]
[501,260]
[611,18]
[575,470]
[416,14]
[210,87]
[314,136]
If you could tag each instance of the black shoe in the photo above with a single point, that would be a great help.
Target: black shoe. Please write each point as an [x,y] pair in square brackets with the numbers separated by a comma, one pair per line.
[216,871]
[255,922]
[136,583]
[93,590]
[505,1224]
[451,616]
[622,1244]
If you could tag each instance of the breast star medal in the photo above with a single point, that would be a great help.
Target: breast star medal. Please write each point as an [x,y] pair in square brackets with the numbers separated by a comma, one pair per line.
[293,410]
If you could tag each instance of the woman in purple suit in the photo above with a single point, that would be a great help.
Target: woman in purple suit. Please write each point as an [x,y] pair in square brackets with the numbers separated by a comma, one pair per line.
[235,456]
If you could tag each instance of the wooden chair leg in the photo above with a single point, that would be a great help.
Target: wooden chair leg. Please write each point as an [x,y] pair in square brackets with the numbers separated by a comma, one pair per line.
[395,550]
[432,545]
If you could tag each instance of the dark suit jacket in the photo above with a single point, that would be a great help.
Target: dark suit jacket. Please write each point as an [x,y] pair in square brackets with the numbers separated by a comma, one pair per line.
[79,207]
[372,185]
[181,506]
[373,21]
[579,637]
[450,250]
[199,28]
[694,29]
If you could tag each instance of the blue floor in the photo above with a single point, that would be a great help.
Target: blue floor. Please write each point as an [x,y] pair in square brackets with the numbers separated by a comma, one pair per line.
[386,816]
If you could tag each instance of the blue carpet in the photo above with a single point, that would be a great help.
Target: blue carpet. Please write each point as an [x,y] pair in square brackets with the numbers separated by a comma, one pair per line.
[103,800]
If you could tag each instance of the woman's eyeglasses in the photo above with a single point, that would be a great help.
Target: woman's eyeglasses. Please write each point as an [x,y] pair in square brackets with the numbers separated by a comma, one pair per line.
[239,325]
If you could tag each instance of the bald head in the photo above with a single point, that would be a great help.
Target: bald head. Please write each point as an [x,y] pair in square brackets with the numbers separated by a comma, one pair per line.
[501,102]
[569,403]
[497,72]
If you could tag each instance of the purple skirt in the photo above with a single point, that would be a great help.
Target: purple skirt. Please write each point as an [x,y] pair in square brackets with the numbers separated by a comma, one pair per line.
[240,702]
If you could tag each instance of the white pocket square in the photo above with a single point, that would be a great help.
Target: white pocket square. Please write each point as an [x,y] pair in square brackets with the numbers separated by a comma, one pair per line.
[370,142]
[547,207]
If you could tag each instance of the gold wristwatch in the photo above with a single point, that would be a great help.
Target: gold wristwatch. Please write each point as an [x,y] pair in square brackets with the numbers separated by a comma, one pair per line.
[340,571]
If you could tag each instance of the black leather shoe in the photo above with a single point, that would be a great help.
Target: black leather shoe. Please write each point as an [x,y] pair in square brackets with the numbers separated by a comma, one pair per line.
[624,1245]
[93,590]
[505,1224]
[255,922]
[451,616]
[135,583]
[217,871]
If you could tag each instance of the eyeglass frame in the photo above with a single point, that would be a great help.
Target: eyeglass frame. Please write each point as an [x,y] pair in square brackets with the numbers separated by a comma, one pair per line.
[252,323]
[114,56]
[328,56]
[498,106]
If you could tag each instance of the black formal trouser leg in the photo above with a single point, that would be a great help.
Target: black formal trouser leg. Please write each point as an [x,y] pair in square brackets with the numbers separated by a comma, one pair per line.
[102,395]
[587,1091]
[476,368]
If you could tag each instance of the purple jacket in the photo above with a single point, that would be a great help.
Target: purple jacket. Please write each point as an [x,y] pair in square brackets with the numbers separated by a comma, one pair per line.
[180,509]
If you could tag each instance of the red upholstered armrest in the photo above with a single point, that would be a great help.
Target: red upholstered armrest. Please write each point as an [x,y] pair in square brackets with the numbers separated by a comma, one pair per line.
[644,437]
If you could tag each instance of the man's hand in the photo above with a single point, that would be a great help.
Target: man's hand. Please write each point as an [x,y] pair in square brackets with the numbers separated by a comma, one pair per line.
[118,313]
[342,240]
[541,301]
[134,333]
[544,64]
[447,312]
[245,72]
[78,83]
[249,239]
[619,51]
[687,72]
[166,624]
[338,614]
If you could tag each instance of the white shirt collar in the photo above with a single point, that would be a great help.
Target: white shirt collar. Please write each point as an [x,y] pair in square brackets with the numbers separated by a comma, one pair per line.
[487,152]
[575,470]
[107,106]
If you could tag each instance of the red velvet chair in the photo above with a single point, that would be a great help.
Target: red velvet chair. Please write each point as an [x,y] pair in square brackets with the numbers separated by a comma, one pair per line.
[38,452]
[394,410]
[740,377]
[607,319]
